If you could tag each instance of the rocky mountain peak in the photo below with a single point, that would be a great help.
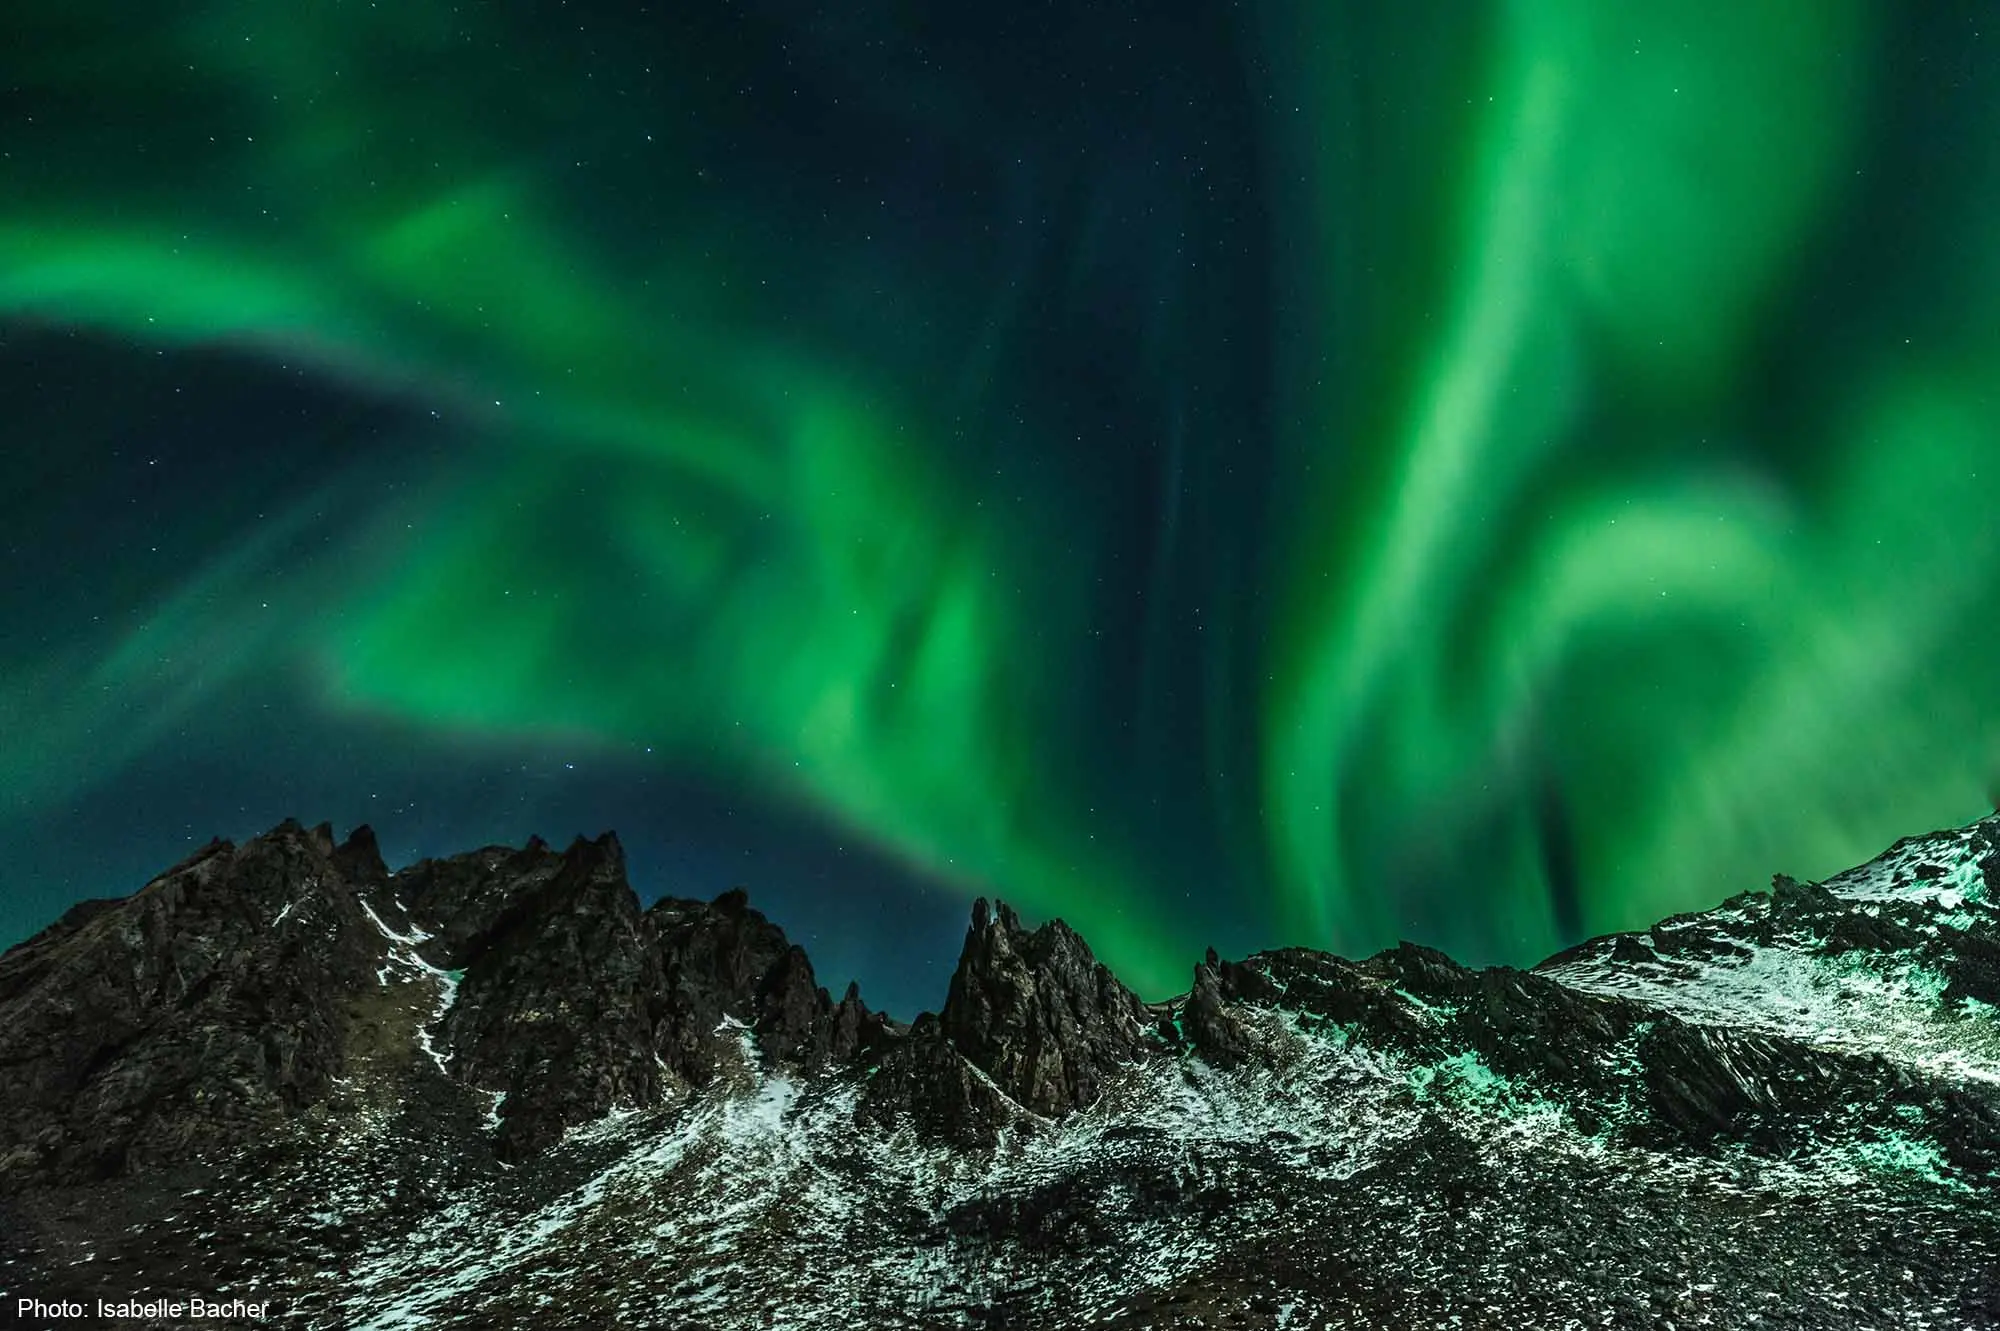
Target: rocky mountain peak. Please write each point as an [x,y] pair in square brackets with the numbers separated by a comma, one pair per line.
[559,998]
[724,960]
[1038,1013]
[244,983]
[185,1018]
[359,858]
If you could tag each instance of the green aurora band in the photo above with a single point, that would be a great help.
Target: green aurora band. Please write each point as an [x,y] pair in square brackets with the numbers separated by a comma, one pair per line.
[1578,501]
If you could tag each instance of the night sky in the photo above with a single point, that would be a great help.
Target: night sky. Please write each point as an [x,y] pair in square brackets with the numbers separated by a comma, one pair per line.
[1250,474]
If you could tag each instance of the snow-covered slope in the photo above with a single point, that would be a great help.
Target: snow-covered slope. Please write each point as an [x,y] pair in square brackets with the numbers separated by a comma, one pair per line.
[1883,960]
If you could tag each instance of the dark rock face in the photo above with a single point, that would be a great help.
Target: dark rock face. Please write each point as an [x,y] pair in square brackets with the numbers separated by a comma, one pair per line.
[1033,1026]
[723,958]
[233,991]
[185,1018]
[359,858]
[492,1090]
[468,897]
[924,1080]
[560,1000]
[1038,1013]
[1207,1021]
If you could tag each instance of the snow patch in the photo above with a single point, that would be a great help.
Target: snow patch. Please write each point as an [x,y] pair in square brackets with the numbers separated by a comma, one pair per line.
[403,956]
[410,939]
[447,995]
[1894,875]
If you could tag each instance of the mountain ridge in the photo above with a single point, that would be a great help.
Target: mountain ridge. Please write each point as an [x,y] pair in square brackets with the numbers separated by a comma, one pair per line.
[507,1032]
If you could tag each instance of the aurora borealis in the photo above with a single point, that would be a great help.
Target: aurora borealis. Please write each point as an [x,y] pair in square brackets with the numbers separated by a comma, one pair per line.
[1259,474]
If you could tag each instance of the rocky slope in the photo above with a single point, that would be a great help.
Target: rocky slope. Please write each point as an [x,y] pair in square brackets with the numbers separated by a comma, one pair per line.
[492,1091]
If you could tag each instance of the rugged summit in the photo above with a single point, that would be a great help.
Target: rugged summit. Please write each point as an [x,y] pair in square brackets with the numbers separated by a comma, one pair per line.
[247,985]
[1039,1014]
[492,1090]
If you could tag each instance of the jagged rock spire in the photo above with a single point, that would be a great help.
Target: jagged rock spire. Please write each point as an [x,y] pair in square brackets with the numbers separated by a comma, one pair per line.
[1038,1013]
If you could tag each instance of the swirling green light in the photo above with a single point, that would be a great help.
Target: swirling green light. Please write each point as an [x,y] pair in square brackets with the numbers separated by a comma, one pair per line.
[1540,518]
[1558,562]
